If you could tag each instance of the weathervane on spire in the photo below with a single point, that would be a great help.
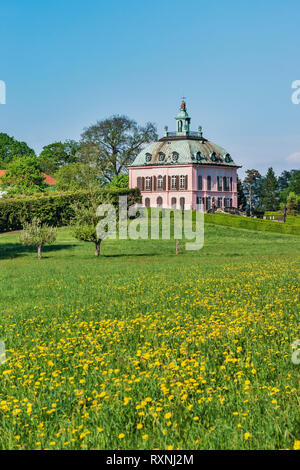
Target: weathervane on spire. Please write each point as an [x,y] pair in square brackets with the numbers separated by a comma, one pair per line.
[183,106]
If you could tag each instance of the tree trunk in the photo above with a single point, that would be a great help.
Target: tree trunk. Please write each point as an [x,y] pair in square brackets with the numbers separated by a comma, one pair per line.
[97,247]
[39,251]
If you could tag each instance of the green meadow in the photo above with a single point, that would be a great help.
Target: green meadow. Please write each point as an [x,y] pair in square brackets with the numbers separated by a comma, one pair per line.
[145,349]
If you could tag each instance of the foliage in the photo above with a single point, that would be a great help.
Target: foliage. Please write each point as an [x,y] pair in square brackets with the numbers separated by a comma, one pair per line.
[76,176]
[10,149]
[242,201]
[148,349]
[58,154]
[112,144]
[23,176]
[251,223]
[37,234]
[119,181]
[54,209]
[85,220]
[293,204]
[289,181]
[252,187]
[269,198]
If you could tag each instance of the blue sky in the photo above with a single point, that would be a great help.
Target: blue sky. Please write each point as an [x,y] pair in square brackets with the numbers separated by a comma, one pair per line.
[68,63]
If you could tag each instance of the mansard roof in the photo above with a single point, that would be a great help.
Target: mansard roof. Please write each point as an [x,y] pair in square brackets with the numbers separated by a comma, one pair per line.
[183,150]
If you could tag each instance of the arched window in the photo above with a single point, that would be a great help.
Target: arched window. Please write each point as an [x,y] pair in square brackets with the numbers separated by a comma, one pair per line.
[182,202]
[173,186]
[182,182]
[173,203]
[200,182]
[148,183]
[219,183]
[179,126]
[159,202]
[209,182]
[199,201]
[159,182]
[147,202]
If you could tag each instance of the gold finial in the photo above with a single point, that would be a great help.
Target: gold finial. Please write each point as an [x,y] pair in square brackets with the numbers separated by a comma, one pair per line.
[183,105]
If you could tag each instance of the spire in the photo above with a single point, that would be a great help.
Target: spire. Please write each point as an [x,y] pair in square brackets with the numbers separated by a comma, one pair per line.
[183,120]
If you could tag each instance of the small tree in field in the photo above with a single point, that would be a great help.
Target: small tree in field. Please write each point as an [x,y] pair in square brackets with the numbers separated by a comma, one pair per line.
[85,222]
[37,234]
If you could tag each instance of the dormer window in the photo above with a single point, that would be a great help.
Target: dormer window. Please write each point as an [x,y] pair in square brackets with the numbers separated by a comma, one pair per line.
[161,156]
[198,156]
[175,156]
[213,157]
[148,157]
[228,158]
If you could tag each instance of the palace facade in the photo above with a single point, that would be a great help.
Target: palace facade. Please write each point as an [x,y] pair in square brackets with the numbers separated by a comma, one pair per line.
[185,170]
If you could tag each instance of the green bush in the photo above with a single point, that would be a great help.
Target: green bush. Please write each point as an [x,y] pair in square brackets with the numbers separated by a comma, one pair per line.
[55,209]
[251,223]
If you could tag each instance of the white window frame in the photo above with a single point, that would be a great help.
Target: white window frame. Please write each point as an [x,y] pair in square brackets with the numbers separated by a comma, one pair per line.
[160,182]
[182,182]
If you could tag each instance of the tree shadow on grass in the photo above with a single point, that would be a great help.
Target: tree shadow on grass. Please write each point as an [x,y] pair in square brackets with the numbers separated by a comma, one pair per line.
[15,250]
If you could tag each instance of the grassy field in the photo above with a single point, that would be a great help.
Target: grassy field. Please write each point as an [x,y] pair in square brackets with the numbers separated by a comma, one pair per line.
[145,349]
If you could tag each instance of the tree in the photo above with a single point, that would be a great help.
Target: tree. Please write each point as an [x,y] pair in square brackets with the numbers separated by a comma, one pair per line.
[289,181]
[270,192]
[58,154]
[250,182]
[23,175]
[293,204]
[84,224]
[10,149]
[37,234]
[112,144]
[294,184]
[119,181]
[284,180]
[242,201]
[78,176]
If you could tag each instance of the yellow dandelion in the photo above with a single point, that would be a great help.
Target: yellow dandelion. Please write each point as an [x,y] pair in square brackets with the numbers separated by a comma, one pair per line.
[297,445]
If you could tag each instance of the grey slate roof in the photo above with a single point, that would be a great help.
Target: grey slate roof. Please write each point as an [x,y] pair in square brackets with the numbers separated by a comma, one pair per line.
[183,151]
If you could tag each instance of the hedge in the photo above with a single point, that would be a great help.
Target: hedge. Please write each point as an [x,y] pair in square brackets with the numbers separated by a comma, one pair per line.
[54,209]
[250,223]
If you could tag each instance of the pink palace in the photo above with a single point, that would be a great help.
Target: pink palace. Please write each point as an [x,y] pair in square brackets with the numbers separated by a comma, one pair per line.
[183,170]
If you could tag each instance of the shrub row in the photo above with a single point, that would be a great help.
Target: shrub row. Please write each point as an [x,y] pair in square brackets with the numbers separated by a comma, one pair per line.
[252,224]
[55,209]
